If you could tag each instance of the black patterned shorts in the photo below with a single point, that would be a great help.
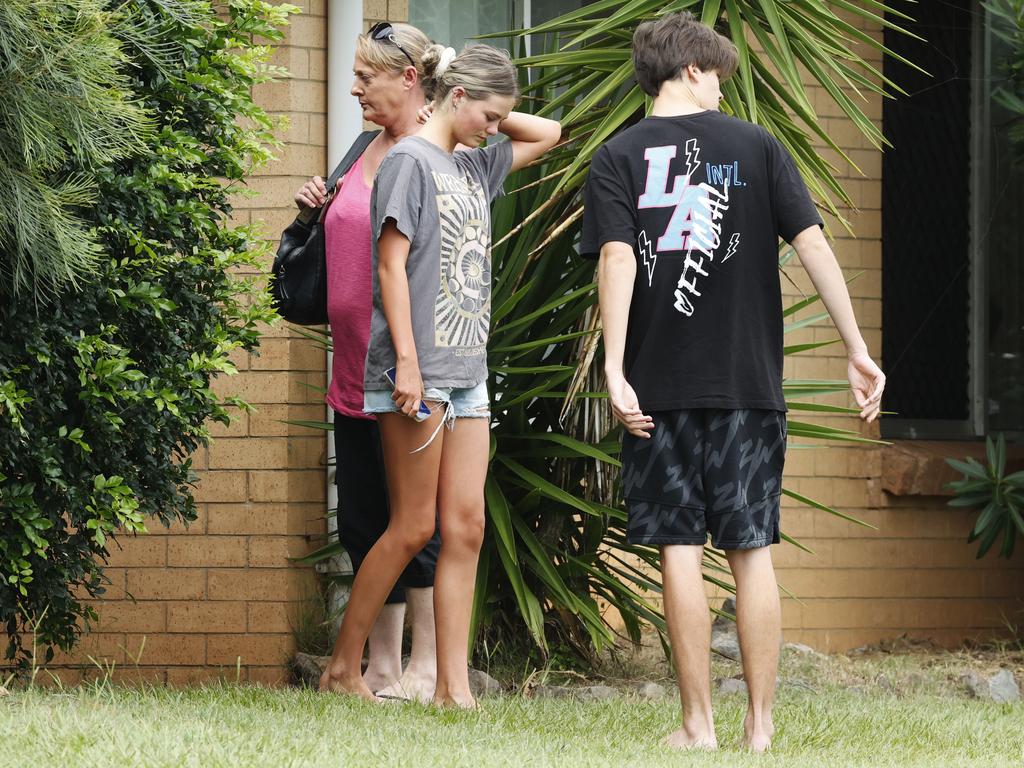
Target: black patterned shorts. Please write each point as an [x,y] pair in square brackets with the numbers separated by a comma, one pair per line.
[706,470]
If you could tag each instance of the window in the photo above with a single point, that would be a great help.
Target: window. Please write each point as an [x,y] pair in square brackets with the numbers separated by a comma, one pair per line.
[952,231]
[456,22]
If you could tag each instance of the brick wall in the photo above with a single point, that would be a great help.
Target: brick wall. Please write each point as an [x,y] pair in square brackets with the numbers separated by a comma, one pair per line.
[223,593]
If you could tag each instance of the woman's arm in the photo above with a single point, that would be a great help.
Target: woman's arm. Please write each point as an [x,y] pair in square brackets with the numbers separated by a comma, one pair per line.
[866,378]
[531,136]
[393,252]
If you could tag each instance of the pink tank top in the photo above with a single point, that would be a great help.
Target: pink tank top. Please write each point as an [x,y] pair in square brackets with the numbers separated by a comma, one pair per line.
[349,290]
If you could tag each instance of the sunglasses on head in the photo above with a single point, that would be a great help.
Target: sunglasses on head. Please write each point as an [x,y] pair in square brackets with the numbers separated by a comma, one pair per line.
[382,31]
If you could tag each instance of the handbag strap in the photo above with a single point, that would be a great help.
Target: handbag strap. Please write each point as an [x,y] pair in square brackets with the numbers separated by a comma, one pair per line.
[358,147]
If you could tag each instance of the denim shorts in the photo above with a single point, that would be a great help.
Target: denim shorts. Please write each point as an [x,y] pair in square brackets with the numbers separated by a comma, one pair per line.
[468,403]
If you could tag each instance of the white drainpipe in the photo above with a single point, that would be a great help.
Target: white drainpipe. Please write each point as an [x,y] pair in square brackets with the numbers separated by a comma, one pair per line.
[344,122]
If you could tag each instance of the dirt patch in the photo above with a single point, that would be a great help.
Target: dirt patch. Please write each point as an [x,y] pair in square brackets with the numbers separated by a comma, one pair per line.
[897,667]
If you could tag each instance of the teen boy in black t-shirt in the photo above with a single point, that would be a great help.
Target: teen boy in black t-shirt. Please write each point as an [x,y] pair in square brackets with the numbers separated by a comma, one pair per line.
[685,210]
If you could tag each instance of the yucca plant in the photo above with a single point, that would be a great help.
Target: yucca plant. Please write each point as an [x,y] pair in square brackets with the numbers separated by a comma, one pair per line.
[999,496]
[555,558]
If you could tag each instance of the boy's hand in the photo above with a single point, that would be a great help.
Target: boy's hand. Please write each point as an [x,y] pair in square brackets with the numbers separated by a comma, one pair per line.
[626,408]
[867,382]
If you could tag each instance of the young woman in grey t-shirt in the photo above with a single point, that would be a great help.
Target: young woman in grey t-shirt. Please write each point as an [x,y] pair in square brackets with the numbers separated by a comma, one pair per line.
[430,216]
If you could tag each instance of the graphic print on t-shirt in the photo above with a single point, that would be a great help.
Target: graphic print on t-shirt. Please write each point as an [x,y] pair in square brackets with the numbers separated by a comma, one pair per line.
[462,306]
[696,222]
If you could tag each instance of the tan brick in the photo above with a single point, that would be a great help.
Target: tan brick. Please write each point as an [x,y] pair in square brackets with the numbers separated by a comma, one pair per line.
[200,459]
[317,65]
[53,677]
[307,452]
[103,647]
[309,32]
[252,649]
[128,676]
[191,528]
[398,10]
[289,355]
[240,359]
[268,519]
[138,550]
[296,160]
[294,59]
[207,551]
[181,677]
[270,222]
[238,427]
[113,591]
[128,616]
[269,192]
[305,485]
[276,551]
[254,387]
[271,420]
[249,453]
[221,486]
[375,10]
[167,583]
[255,584]
[205,617]
[271,617]
[176,649]
[318,132]
[269,677]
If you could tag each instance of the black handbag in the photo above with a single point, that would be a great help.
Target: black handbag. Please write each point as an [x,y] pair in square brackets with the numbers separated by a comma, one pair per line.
[299,276]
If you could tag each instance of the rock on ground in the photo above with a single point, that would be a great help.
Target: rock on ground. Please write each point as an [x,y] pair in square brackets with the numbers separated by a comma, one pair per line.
[482,684]
[581,692]
[731,685]
[306,669]
[724,640]
[803,650]
[1002,687]
[650,690]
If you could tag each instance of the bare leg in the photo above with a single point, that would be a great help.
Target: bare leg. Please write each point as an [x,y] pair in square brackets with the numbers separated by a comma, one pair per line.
[384,665]
[461,502]
[412,488]
[759,624]
[420,675]
[689,627]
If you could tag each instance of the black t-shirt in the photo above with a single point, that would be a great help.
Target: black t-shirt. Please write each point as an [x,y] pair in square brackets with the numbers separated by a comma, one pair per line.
[705,322]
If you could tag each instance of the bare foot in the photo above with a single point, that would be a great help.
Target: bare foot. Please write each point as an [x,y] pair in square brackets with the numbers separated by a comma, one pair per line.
[461,702]
[334,682]
[685,739]
[758,743]
[412,686]
[758,739]
[376,681]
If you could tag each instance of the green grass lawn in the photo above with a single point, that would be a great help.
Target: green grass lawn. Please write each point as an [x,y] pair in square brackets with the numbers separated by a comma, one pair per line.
[240,726]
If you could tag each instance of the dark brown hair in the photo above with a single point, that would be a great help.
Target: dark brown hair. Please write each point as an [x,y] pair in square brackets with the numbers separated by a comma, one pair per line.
[663,48]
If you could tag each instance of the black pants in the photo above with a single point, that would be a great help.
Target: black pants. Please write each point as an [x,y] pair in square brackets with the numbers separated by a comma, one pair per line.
[363,502]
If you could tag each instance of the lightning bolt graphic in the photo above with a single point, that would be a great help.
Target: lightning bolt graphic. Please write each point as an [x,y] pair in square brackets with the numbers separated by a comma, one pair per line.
[649,256]
[692,153]
[734,242]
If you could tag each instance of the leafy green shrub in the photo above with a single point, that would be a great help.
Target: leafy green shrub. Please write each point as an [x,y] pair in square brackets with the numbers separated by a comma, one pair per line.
[105,389]
[1000,497]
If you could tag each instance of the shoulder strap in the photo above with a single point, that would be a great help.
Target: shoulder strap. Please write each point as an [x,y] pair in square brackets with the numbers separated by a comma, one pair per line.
[358,147]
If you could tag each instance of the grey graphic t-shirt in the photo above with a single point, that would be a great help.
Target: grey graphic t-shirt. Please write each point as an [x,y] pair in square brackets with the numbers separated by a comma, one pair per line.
[441,203]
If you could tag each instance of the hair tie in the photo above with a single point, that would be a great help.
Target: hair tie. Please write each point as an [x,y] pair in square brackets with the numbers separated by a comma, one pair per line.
[444,62]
